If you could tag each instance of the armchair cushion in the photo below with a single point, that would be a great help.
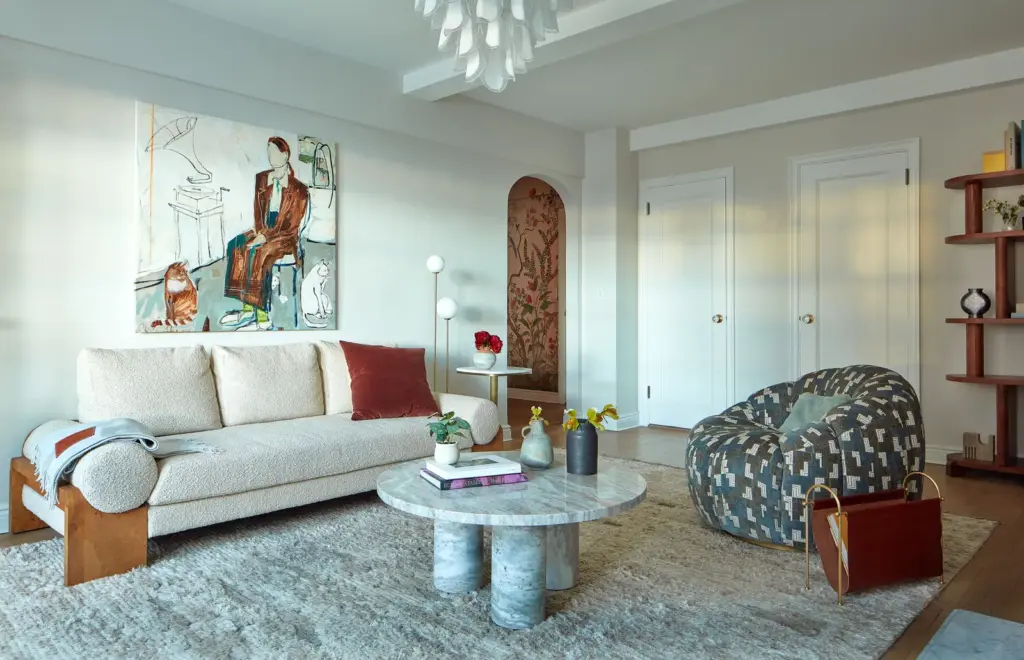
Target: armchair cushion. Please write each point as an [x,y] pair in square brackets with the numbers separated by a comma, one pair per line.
[810,408]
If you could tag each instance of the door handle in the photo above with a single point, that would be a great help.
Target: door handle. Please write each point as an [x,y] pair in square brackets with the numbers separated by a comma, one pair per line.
[807,318]
[717,318]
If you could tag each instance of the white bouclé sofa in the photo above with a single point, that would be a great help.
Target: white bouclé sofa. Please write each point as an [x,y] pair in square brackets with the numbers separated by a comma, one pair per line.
[280,416]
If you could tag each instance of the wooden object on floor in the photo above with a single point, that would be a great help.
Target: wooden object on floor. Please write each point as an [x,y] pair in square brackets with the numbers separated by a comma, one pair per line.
[976,450]
[1005,447]
[888,538]
[96,544]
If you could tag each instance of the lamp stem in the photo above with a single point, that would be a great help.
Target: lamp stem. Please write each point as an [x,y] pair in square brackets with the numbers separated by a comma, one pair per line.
[433,382]
[447,343]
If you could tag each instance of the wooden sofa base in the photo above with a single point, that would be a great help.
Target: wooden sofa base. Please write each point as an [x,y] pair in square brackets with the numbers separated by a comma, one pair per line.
[96,544]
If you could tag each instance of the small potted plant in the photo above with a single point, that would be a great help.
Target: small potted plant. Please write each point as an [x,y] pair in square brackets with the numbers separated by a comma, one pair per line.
[1010,213]
[446,432]
[487,348]
[536,451]
[581,439]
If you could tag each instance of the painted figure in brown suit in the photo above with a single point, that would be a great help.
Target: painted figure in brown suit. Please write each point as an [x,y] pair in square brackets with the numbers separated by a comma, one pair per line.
[279,209]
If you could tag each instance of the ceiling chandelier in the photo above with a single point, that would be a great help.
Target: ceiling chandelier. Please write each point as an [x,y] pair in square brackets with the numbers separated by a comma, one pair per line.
[493,39]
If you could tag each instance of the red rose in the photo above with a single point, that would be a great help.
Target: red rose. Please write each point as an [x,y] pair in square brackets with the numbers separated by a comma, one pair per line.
[482,339]
[496,343]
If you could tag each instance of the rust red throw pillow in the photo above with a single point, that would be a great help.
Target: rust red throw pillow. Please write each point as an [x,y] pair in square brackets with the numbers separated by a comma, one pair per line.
[388,382]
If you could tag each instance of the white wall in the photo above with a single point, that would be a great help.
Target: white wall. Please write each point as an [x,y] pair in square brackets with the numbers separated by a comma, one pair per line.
[954,131]
[609,275]
[67,190]
[163,38]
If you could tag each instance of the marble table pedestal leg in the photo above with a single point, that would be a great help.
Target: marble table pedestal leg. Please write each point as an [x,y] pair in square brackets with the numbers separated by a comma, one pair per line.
[518,576]
[458,557]
[563,550]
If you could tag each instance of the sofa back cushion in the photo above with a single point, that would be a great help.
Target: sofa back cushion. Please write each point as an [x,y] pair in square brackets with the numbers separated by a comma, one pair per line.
[388,382]
[170,390]
[267,383]
[337,382]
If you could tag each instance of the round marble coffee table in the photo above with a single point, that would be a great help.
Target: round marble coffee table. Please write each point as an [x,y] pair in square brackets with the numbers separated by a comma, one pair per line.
[535,539]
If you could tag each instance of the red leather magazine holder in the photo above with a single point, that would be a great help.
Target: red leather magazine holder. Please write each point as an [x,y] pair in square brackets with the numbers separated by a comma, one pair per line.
[888,538]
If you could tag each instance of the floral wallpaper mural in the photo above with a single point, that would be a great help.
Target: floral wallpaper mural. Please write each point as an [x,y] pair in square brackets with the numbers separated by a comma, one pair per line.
[535,216]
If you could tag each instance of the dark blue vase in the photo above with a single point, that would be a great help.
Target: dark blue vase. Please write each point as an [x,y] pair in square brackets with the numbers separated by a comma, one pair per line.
[581,450]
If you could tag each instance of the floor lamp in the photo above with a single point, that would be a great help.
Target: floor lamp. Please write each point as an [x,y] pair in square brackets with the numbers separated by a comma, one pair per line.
[435,265]
[446,309]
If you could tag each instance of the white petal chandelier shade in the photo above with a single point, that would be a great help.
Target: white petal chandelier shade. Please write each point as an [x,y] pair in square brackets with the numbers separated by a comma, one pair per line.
[493,39]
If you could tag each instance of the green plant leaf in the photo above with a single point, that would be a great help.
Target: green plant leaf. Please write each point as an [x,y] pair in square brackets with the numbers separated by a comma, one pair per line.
[462,424]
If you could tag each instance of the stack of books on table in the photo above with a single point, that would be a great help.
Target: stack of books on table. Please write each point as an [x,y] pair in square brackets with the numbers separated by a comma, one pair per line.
[473,471]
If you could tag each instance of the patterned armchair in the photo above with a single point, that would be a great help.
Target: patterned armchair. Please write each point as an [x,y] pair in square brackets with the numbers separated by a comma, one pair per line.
[749,479]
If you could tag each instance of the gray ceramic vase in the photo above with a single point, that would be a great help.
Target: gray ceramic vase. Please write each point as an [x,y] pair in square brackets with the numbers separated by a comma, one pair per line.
[581,450]
[975,303]
[536,451]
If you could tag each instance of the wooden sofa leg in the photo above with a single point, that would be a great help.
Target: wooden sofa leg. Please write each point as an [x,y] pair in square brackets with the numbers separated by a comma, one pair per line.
[20,518]
[98,544]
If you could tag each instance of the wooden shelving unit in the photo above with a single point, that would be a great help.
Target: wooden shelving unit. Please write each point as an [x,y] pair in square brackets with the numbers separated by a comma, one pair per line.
[1006,385]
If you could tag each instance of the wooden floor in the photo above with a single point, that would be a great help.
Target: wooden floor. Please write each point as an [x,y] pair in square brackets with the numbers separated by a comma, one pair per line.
[992,583]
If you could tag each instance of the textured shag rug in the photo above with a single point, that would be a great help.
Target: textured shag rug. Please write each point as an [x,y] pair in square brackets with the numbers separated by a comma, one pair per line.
[352,579]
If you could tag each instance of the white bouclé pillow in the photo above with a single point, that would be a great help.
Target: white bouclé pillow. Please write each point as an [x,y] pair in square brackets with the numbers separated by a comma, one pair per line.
[170,390]
[267,383]
[337,382]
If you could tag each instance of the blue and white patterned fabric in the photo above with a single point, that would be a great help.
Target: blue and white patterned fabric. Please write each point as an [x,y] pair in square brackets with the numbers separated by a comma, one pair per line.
[749,479]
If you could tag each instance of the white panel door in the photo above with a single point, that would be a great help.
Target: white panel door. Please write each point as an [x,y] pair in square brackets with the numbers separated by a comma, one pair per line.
[856,263]
[684,267]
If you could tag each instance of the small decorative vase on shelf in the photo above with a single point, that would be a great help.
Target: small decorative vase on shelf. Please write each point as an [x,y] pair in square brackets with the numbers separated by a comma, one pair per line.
[581,449]
[536,451]
[975,303]
[446,454]
[484,359]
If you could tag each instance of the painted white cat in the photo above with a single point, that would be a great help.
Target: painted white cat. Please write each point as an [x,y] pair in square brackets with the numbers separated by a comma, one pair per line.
[316,304]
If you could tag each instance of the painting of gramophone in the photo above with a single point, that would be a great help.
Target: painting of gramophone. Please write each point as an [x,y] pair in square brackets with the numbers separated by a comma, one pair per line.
[198,209]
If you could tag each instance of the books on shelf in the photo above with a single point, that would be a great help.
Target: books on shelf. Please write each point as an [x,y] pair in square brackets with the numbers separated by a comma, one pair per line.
[1016,315]
[993,161]
[472,482]
[473,467]
[1011,146]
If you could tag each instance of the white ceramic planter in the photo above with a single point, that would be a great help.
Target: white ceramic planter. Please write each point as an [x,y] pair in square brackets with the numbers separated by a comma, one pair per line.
[446,454]
[484,359]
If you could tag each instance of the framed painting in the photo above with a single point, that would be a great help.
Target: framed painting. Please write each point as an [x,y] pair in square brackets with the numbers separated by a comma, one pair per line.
[237,226]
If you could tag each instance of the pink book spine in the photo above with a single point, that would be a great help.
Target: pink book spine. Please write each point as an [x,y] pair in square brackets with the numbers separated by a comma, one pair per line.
[498,480]
[475,482]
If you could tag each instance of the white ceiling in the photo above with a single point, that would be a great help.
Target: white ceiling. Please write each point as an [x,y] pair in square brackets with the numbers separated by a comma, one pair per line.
[754,51]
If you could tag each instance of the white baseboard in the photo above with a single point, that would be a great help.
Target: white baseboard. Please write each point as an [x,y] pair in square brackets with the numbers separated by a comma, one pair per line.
[624,422]
[937,455]
[534,395]
[5,519]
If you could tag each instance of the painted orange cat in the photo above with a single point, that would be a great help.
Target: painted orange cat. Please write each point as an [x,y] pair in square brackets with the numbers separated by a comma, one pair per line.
[180,297]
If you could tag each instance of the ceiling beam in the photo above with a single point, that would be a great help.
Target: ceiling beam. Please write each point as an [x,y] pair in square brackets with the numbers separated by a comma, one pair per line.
[984,71]
[581,31]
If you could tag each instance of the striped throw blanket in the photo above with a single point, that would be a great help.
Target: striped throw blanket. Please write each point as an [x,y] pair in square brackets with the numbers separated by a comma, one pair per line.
[55,454]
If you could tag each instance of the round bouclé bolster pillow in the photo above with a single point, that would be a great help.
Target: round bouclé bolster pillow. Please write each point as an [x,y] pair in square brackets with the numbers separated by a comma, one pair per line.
[116,477]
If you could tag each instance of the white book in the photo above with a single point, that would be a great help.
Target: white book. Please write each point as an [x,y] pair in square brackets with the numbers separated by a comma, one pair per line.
[475,466]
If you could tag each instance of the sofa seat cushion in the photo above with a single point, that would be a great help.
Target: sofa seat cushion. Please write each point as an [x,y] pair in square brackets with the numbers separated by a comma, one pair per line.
[267,383]
[264,455]
[170,390]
